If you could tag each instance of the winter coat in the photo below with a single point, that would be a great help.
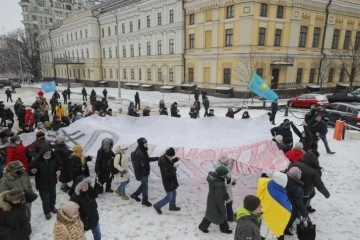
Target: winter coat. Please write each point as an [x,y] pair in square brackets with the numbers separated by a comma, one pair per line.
[231,113]
[67,228]
[76,167]
[84,92]
[56,95]
[206,103]
[45,177]
[8,92]
[16,152]
[305,137]
[311,174]
[9,115]
[121,163]
[294,155]
[60,112]
[104,160]
[62,153]
[248,225]
[88,207]
[142,162]
[29,117]
[282,130]
[168,173]
[193,113]
[215,205]
[104,92]
[229,182]
[274,107]
[37,145]
[14,224]
[174,110]
[21,181]
[295,192]
[318,127]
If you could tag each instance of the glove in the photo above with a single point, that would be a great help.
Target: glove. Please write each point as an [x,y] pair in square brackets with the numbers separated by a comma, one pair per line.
[122,172]
[175,159]
[234,182]
[228,180]
[304,219]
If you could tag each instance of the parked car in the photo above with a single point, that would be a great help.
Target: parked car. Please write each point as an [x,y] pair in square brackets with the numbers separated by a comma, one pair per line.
[7,83]
[357,92]
[308,101]
[343,96]
[347,112]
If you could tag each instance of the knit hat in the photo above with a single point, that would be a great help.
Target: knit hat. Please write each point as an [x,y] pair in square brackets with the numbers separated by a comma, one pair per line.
[60,139]
[141,141]
[14,138]
[221,170]
[278,138]
[295,172]
[251,203]
[40,134]
[70,208]
[224,159]
[298,146]
[76,148]
[15,194]
[12,166]
[170,152]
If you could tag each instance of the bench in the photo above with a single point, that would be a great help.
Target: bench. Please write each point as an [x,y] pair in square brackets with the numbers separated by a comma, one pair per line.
[147,87]
[224,92]
[168,88]
[131,85]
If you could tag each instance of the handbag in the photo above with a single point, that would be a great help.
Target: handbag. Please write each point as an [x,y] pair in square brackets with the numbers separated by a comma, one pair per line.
[98,187]
[306,230]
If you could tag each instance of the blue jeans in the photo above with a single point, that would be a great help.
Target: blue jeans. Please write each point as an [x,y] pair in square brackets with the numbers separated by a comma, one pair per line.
[96,232]
[169,198]
[143,188]
[323,138]
[122,186]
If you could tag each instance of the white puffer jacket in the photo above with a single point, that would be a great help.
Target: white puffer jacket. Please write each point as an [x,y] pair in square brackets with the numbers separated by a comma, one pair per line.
[121,162]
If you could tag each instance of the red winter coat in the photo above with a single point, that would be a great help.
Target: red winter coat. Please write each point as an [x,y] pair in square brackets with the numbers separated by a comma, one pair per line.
[29,117]
[16,152]
[294,155]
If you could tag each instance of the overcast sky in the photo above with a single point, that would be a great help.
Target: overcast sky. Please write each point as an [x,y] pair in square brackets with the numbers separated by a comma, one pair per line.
[10,16]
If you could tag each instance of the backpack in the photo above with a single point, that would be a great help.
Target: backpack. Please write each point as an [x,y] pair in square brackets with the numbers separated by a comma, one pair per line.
[113,169]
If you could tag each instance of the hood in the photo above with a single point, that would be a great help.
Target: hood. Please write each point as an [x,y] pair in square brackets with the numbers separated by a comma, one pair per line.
[84,181]
[280,178]
[120,149]
[61,217]
[107,144]
[241,212]
[5,206]
[310,159]
[213,178]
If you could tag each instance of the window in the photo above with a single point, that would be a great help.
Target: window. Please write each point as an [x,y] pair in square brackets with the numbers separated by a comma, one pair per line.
[139,24]
[34,17]
[132,74]
[123,27]
[192,41]
[230,11]
[227,75]
[139,48]
[131,26]
[159,74]
[316,37]
[299,75]
[159,46]
[132,50]
[331,75]
[148,21]
[312,75]
[109,31]
[277,39]
[124,73]
[102,32]
[111,73]
[82,53]
[342,75]
[280,12]
[347,40]
[110,52]
[104,56]
[191,75]
[191,19]
[86,33]
[171,16]
[263,9]
[302,39]
[124,51]
[261,40]
[159,18]
[140,73]
[171,46]
[259,71]
[149,74]
[148,48]
[171,74]
[87,53]
[335,40]
[228,37]
[357,41]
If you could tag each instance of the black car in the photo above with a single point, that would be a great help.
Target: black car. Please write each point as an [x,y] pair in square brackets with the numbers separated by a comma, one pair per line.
[343,97]
[347,112]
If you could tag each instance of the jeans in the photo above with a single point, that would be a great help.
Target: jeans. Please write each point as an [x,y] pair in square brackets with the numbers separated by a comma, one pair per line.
[48,198]
[96,232]
[323,138]
[229,212]
[143,188]
[122,186]
[169,198]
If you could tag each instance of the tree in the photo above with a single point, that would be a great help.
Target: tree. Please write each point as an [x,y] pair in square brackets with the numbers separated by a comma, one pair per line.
[16,43]
[350,63]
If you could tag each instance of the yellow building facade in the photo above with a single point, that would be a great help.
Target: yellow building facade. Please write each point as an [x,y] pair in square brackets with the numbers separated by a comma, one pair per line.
[282,40]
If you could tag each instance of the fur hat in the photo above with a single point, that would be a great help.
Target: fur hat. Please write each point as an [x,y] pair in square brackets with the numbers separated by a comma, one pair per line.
[251,203]
[298,146]
[221,170]
[70,208]
[82,183]
[295,172]
[15,165]
[170,152]
[76,148]
[141,141]
[60,139]
[15,194]
[278,138]
[224,159]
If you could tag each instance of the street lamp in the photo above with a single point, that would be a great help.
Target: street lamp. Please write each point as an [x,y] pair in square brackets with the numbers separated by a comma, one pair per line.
[118,51]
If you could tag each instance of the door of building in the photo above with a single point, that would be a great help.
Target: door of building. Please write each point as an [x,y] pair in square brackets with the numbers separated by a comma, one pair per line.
[274,78]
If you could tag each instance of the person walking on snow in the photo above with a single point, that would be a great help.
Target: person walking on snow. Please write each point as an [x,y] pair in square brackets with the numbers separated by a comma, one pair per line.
[103,163]
[169,179]
[206,104]
[274,109]
[84,94]
[65,96]
[104,92]
[137,100]
[8,95]
[121,163]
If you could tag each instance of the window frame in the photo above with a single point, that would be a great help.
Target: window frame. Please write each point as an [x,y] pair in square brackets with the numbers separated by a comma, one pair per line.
[229,33]
[303,36]
[263,10]
[280,11]
[277,37]
[261,36]
[227,76]
[335,39]
[230,11]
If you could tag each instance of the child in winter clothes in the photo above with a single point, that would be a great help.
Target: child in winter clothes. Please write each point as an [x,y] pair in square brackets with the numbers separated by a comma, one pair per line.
[68,224]
[121,163]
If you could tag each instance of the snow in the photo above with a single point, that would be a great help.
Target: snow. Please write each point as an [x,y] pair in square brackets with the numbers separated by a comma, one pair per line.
[337,217]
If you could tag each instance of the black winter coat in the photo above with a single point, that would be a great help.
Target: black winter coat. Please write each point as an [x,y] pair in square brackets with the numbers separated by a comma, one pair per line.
[103,164]
[76,167]
[282,130]
[318,127]
[45,177]
[88,207]
[63,154]
[295,192]
[168,174]
[141,162]
[14,224]
[306,139]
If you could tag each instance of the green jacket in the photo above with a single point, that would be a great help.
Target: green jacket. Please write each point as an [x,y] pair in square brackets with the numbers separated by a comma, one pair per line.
[248,225]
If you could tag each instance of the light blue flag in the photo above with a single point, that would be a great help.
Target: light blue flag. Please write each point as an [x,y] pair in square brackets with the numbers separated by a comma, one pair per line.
[48,87]
[261,88]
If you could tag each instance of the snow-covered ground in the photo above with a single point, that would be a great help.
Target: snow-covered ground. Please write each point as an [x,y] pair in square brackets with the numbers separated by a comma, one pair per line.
[337,218]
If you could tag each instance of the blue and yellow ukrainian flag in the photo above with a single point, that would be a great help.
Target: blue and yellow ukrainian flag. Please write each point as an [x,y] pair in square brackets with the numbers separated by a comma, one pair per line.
[275,205]
[260,87]
[48,87]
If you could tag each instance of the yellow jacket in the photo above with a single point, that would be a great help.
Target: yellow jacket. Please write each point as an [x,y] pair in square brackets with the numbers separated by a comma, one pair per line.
[60,112]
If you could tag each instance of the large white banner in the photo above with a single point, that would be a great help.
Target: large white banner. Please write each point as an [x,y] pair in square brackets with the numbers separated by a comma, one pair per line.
[198,142]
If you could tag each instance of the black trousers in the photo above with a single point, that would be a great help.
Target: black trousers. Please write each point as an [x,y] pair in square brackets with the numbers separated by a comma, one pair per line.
[7,98]
[137,104]
[206,112]
[84,98]
[204,225]
[48,199]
